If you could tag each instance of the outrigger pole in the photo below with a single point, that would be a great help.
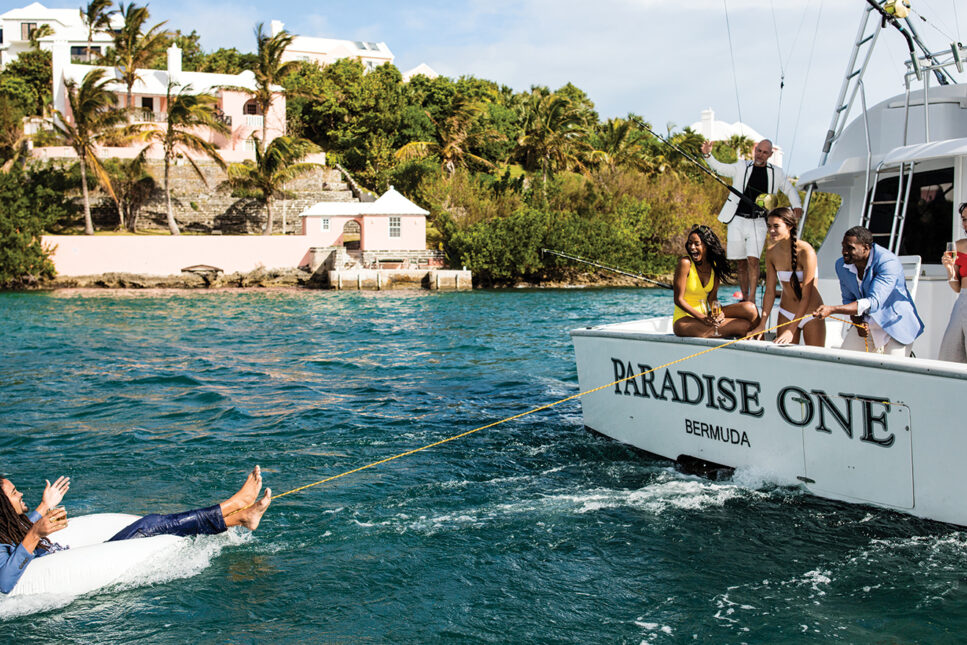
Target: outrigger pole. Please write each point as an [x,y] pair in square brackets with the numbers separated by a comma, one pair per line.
[637,276]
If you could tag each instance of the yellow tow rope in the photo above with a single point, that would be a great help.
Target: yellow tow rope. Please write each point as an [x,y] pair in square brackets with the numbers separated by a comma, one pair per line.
[540,408]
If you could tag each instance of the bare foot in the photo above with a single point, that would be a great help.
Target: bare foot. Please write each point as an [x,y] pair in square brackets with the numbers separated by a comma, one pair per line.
[251,516]
[247,495]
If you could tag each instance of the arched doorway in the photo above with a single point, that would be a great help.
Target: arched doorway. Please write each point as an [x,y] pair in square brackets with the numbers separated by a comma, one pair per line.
[351,235]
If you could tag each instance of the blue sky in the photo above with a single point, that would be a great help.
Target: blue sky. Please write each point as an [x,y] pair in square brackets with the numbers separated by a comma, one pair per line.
[664,59]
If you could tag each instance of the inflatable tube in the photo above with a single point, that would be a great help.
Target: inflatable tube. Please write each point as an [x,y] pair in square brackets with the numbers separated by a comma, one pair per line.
[90,563]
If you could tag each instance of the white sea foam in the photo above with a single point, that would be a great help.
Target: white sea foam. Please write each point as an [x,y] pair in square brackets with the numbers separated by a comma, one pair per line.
[184,559]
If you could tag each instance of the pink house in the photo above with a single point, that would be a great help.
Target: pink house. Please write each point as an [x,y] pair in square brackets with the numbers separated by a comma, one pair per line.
[235,104]
[391,223]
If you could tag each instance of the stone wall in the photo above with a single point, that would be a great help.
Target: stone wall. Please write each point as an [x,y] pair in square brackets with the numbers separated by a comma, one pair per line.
[205,207]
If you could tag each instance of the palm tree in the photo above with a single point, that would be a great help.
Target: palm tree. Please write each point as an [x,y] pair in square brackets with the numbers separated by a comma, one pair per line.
[132,186]
[96,17]
[455,136]
[39,32]
[187,113]
[134,47]
[742,145]
[267,177]
[554,132]
[269,71]
[622,142]
[94,114]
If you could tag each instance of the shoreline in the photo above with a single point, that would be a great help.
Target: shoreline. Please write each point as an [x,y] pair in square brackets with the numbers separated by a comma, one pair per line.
[295,280]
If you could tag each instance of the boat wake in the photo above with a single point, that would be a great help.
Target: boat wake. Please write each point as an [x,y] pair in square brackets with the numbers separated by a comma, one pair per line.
[184,559]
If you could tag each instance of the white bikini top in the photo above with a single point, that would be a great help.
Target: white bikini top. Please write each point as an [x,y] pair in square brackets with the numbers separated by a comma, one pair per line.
[786,276]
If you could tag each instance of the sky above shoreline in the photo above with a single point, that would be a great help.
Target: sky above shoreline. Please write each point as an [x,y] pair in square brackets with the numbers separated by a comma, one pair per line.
[666,60]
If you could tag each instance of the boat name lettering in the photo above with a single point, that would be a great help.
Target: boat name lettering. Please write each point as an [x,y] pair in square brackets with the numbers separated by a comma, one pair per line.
[800,408]
[718,433]
[715,393]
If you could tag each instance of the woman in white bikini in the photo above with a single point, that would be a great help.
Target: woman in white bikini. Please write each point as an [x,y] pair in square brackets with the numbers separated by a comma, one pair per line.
[792,262]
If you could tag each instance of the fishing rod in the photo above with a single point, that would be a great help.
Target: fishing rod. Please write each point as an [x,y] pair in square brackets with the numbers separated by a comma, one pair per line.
[756,208]
[637,276]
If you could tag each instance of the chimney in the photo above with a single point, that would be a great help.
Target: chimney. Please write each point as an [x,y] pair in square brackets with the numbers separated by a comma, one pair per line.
[276,27]
[708,116]
[174,63]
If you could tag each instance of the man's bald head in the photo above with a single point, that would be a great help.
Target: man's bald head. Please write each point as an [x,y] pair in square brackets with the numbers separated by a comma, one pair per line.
[763,150]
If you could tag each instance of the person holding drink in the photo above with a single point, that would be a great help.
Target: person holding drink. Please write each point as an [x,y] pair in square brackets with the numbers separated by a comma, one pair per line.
[696,284]
[953,346]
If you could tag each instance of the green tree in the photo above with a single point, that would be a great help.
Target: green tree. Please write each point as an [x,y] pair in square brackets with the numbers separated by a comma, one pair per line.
[28,208]
[623,143]
[27,81]
[553,133]
[94,114]
[453,138]
[192,55]
[269,71]
[96,16]
[226,61]
[187,114]
[280,163]
[133,186]
[742,145]
[134,47]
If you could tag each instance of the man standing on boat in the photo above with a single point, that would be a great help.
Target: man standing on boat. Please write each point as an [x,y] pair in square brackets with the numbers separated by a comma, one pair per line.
[747,225]
[875,296]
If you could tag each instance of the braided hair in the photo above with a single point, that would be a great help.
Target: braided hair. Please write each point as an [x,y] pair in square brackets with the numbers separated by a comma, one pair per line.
[788,217]
[714,253]
[14,525]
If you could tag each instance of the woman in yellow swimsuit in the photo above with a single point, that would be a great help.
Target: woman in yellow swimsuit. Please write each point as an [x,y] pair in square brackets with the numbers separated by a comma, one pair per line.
[792,262]
[697,280]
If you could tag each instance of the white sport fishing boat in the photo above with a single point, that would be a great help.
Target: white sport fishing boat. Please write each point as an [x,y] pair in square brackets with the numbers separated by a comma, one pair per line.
[852,426]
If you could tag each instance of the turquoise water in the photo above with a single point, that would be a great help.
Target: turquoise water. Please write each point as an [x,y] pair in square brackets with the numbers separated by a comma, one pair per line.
[533,531]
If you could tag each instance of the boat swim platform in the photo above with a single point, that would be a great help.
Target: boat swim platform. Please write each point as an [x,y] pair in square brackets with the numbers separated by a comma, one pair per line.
[385,279]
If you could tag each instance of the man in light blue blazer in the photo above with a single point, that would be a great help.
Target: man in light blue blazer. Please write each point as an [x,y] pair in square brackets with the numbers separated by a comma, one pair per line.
[875,295]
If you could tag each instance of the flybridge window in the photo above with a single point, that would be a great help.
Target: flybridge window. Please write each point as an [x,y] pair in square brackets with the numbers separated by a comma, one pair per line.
[927,217]
[394,226]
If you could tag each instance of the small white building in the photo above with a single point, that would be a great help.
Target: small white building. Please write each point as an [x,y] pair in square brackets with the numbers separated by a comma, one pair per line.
[715,130]
[420,70]
[17,24]
[328,50]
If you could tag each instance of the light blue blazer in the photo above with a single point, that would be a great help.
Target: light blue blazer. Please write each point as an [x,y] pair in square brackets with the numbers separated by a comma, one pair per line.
[891,306]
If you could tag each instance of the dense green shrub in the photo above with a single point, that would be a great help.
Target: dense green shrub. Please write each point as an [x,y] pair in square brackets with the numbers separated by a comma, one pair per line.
[29,206]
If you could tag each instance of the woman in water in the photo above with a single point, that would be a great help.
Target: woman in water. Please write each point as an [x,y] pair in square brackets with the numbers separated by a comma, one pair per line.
[696,284]
[953,346]
[25,536]
[792,262]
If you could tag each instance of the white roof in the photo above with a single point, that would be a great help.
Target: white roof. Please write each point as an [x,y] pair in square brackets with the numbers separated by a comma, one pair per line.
[715,130]
[420,70]
[390,203]
[155,81]
[343,48]
[948,148]
[66,18]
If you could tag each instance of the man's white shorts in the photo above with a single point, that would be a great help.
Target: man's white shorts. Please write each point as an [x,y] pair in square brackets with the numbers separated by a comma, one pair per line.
[745,238]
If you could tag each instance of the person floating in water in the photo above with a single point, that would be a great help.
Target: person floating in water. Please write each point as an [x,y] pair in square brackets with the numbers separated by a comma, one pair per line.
[25,535]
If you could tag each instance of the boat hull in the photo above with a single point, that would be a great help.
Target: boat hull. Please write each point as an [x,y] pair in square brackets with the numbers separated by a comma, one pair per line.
[863,428]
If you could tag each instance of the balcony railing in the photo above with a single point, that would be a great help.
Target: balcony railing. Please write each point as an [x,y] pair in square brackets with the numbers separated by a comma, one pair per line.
[253,120]
[147,116]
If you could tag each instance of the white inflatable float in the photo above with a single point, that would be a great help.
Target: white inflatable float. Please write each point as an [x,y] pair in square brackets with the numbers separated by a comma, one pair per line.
[90,563]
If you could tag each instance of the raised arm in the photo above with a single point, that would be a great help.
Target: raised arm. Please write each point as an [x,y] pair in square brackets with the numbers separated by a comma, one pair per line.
[53,494]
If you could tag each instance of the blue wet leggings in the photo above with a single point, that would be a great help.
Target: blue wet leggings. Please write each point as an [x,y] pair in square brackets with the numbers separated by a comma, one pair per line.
[202,521]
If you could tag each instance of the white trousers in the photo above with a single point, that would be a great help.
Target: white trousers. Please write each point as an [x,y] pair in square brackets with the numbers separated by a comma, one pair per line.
[854,342]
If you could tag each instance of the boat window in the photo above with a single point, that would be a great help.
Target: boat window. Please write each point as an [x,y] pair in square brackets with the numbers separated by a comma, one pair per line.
[927,215]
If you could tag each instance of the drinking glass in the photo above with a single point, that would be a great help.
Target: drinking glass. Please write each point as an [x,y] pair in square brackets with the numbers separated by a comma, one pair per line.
[716,312]
[951,250]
